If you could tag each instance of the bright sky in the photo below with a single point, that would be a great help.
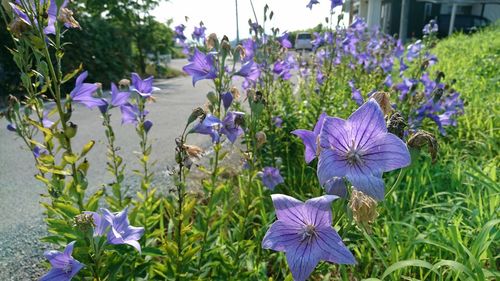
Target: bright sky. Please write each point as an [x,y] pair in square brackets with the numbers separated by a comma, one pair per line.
[219,15]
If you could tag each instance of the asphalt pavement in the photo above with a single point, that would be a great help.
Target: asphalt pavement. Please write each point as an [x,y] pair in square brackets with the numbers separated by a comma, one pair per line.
[21,216]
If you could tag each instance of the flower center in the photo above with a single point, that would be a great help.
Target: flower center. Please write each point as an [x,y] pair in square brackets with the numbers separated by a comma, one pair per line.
[354,155]
[308,233]
[67,268]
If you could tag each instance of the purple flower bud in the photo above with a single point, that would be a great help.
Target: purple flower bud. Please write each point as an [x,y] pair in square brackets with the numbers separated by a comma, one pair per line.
[147,125]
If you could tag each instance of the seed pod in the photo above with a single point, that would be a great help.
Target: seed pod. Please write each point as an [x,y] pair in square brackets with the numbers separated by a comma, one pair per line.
[421,138]
[124,84]
[71,130]
[364,208]
[384,101]
[261,138]
[212,41]
[66,17]
[197,112]
[396,124]
[193,151]
[84,222]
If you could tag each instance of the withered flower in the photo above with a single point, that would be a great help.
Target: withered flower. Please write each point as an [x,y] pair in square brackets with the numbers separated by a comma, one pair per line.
[421,138]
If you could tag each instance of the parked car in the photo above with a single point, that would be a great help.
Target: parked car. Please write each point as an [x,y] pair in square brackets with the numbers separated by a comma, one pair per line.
[303,41]
[463,23]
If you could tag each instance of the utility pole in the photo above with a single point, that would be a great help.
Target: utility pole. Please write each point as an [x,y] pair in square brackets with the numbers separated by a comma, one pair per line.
[237,24]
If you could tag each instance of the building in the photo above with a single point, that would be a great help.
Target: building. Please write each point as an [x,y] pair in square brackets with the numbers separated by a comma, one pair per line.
[407,17]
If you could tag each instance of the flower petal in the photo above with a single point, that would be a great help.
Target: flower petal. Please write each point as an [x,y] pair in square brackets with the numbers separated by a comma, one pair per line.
[336,186]
[387,152]
[331,165]
[369,182]
[332,247]
[366,122]
[319,210]
[289,209]
[309,140]
[302,260]
[281,236]
[134,244]
[55,274]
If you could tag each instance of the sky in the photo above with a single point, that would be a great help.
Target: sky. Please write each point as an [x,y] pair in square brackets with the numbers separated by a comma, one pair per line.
[219,15]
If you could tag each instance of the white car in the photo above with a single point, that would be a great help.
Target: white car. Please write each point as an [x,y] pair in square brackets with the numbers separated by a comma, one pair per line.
[303,41]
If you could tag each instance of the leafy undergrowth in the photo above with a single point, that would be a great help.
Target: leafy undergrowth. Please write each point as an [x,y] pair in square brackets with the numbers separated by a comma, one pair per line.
[442,221]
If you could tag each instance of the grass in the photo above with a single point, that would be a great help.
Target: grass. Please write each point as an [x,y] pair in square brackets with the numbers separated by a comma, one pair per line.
[442,221]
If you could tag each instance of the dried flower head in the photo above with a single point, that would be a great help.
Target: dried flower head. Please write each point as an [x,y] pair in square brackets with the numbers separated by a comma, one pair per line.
[261,138]
[364,207]
[193,150]
[66,17]
[384,101]
[421,138]
[84,222]
[235,92]
[241,50]
[396,124]
[99,85]
[124,83]
[212,41]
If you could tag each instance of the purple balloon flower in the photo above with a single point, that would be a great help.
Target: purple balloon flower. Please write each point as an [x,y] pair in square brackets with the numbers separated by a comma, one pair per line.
[82,93]
[121,231]
[250,71]
[231,125]
[271,177]
[11,127]
[310,138]
[118,98]
[143,87]
[227,100]
[209,126]
[37,151]
[284,42]
[360,149]
[356,93]
[304,232]
[311,3]
[277,121]
[101,224]
[147,125]
[199,32]
[64,266]
[52,13]
[336,3]
[131,114]
[179,33]
[201,66]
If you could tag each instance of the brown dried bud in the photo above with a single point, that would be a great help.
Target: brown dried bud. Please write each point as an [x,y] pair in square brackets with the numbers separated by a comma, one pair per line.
[84,222]
[384,101]
[193,151]
[66,17]
[197,112]
[235,92]
[99,85]
[397,125]
[364,208]
[225,45]
[124,83]
[421,138]
[18,26]
[261,138]
[240,49]
[212,41]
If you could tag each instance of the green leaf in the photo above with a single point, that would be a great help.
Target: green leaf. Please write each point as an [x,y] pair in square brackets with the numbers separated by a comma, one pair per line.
[153,252]
[407,263]
[87,148]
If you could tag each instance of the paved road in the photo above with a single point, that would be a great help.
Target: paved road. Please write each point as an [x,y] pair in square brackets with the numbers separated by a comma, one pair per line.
[21,215]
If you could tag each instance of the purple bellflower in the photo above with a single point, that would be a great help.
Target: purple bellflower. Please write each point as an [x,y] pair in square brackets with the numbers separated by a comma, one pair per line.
[37,151]
[304,232]
[277,121]
[11,127]
[199,33]
[101,224]
[121,231]
[360,149]
[179,33]
[118,98]
[356,93]
[310,138]
[311,3]
[336,3]
[131,113]
[271,177]
[405,87]
[20,14]
[249,70]
[201,66]
[143,87]
[209,126]
[284,42]
[82,93]
[227,100]
[64,266]
[231,125]
[53,12]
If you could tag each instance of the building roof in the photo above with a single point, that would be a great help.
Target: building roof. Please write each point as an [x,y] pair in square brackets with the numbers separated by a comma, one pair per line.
[462,2]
